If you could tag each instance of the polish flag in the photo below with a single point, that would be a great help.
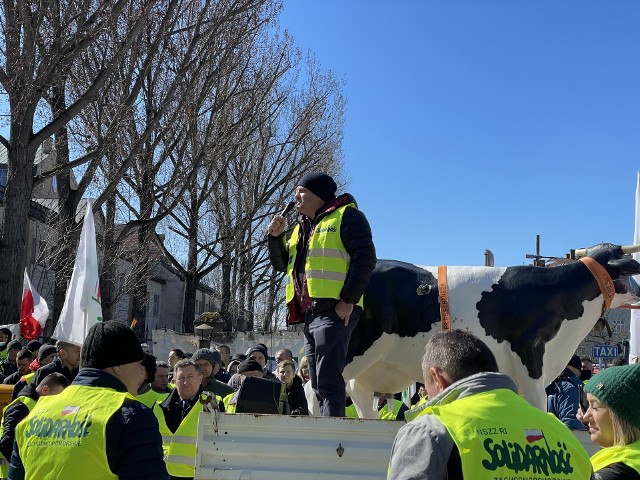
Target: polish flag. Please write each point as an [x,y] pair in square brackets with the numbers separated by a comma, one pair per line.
[533,435]
[34,312]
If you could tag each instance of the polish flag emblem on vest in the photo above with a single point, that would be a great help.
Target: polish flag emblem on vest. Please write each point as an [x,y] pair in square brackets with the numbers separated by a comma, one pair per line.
[34,312]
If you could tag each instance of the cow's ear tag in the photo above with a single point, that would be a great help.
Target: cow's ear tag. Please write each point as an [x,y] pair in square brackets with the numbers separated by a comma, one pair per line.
[600,386]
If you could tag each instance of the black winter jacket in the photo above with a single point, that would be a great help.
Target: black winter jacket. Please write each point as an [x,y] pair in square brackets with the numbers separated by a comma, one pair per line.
[356,237]
[297,400]
[133,441]
[55,366]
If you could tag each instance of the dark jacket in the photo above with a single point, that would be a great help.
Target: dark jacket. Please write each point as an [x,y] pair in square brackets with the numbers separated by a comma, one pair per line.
[356,237]
[217,387]
[563,399]
[55,366]
[13,378]
[133,441]
[297,399]
[8,367]
[13,415]
[173,409]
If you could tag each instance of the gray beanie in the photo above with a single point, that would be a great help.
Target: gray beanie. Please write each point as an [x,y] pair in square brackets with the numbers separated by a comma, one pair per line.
[208,355]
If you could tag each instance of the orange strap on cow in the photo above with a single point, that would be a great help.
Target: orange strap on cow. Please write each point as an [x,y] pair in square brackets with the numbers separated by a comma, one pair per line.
[602,277]
[443,297]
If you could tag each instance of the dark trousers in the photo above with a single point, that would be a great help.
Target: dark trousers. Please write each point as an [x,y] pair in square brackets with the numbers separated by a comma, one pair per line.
[326,345]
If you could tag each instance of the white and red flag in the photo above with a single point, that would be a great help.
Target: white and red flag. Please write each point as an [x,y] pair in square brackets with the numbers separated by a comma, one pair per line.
[533,435]
[34,312]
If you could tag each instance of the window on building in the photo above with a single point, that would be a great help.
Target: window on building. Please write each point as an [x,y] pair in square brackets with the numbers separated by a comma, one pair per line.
[4,172]
[156,305]
[198,307]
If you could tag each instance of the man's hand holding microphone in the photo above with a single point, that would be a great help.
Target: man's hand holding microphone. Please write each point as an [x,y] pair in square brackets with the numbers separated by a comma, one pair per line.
[279,222]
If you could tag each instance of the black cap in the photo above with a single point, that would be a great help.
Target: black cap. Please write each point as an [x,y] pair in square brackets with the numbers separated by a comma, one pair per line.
[249,365]
[34,345]
[320,184]
[575,362]
[46,350]
[109,344]
[14,344]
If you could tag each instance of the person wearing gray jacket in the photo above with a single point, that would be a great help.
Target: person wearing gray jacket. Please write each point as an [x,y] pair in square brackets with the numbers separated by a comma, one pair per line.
[476,426]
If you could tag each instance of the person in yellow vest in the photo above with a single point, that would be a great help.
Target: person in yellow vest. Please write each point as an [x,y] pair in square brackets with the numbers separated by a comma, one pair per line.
[146,394]
[160,383]
[95,429]
[17,410]
[390,408]
[178,420]
[476,426]
[5,338]
[247,368]
[328,259]
[613,418]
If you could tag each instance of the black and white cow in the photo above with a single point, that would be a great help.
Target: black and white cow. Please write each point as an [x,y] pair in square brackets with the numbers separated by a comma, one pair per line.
[532,318]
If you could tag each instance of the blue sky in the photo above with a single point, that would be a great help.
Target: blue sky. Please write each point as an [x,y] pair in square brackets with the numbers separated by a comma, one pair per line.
[478,124]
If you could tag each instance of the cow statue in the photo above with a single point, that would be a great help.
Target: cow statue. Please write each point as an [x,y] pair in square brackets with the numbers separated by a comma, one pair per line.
[532,318]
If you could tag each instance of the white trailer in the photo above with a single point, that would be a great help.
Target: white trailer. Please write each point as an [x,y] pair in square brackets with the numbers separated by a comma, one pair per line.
[279,447]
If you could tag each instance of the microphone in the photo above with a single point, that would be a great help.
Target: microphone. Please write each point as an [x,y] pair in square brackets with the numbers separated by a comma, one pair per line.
[288,208]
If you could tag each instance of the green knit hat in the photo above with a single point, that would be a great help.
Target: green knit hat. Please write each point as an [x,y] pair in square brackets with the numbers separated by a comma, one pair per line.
[619,388]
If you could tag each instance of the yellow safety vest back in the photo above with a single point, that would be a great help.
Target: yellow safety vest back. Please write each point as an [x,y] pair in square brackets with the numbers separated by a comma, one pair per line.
[327,261]
[499,435]
[64,436]
[180,447]
[627,454]
[4,463]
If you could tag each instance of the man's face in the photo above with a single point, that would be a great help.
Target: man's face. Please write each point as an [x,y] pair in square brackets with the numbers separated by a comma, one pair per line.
[12,353]
[132,375]
[307,202]
[188,381]
[47,360]
[259,357]
[70,356]
[161,380]
[225,353]
[206,369]
[286,374]
[4,337]
[23,366]
[282,355]
[587,365]
[173,358]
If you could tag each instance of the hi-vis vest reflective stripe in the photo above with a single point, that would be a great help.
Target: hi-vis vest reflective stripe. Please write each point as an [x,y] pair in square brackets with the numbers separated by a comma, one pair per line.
[384,414]
[499,435]
[180,447]
[64,435]
[4,463]
[327,261]
[627,454]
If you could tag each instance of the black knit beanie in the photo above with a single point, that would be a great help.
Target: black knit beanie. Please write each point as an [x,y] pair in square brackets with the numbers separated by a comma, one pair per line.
[320,184]
[109,344]
[45,350]
[249,365]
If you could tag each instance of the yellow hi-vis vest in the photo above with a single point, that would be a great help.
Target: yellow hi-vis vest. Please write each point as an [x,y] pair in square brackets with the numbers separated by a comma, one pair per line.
[627,454]
[64,435]
[384,414]
[327,261]
[499,435]
[28,377]
[4,463]
[149,398]
[180,447]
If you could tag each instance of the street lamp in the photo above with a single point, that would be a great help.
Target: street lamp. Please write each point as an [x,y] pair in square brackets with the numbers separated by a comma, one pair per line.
[204,332]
